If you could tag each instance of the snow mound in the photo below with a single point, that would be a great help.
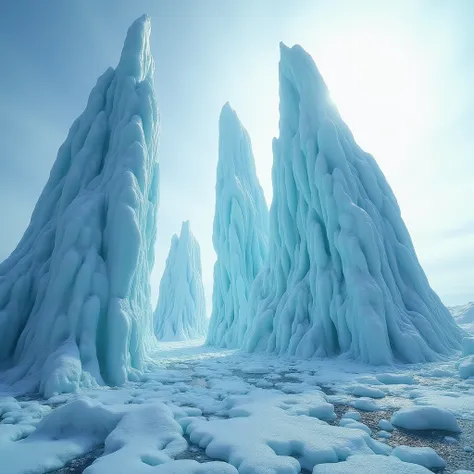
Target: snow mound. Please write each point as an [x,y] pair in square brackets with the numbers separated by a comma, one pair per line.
[138,439]
[181,310]
[240,233]
[423,456]
[361,464]
[74,295]
[425,418]
[394,379]
[270,432]
[342,276]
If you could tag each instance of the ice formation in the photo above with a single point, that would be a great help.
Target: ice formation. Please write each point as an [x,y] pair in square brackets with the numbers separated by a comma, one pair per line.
[74,295]
[181,310]
[342,275]
[240,233]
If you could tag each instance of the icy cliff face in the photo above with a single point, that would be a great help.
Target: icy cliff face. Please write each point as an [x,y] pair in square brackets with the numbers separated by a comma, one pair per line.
[74,295]
[342,274]
[240,232]
[181,310]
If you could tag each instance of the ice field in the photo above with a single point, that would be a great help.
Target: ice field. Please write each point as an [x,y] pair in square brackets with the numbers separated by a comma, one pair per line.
[327,351]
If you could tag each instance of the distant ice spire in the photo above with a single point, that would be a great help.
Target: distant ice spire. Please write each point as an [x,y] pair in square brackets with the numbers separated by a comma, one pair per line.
[74,295]
[342,276]
[181,310]
[240,232]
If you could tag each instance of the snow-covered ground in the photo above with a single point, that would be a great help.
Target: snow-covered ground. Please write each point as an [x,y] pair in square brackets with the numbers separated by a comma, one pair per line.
[198,406]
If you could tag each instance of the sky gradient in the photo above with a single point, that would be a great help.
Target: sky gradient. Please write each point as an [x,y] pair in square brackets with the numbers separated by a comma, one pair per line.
[400,72]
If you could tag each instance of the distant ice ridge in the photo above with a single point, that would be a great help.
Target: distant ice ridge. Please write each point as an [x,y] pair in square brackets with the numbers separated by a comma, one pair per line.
[240,233]
[464,313]
[74,295]
[181,310]
[342,275]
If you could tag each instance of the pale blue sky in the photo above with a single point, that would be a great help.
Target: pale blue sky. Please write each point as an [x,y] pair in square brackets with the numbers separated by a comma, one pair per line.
[401,73]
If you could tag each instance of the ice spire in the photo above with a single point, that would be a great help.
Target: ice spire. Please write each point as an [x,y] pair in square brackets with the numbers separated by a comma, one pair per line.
[342,274]
[181,310]
[240,232]
[74,295]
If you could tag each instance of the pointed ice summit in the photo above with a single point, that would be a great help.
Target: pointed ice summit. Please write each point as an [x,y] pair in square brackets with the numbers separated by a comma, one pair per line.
[342,275]
[74,295]
[240,233]
[181,310]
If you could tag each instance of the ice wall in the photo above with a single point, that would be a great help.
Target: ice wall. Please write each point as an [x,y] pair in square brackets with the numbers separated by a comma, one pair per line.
[342,274]
[240,232]
[181,310]
[74,295]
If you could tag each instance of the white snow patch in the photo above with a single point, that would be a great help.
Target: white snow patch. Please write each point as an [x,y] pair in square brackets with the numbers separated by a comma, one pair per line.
[425,418]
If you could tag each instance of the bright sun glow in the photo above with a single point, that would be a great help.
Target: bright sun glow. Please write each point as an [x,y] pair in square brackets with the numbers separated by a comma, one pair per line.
[377,84]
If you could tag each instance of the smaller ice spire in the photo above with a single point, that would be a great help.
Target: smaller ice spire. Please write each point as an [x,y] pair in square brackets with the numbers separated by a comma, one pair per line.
[240,232]
[181,310]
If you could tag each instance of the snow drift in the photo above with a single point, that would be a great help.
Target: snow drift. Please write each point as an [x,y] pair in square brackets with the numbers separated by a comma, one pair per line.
[240,232]
[181,310]
[342,274]
[74,295]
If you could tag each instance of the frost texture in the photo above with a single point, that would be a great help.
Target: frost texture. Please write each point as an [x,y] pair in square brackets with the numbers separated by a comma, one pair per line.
[181,310]
[74,295]
[240,232]
[342,274]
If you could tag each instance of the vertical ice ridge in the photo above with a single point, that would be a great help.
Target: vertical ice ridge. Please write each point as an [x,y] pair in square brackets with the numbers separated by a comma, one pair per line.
[74,295]
[342,274]
[181,310]
[240,232]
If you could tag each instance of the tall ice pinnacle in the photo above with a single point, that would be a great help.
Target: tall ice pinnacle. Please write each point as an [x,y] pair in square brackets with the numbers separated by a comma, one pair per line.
[74,295]
[342,275]
[240,233]
[181,310]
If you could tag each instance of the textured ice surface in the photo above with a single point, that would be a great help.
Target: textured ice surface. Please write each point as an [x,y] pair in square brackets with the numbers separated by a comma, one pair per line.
[342,275]
[74,295]
[240,233]
[181,310]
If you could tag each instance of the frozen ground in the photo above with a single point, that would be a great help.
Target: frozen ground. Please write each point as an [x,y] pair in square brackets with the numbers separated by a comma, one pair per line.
[261,414]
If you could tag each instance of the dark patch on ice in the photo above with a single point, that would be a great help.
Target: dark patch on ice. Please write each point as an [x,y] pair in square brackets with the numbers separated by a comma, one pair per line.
[194,452]
[79,465]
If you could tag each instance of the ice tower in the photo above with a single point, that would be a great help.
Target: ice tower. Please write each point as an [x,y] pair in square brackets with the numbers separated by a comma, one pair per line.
[342,276]
[181,310]
[240,233]
[74,295]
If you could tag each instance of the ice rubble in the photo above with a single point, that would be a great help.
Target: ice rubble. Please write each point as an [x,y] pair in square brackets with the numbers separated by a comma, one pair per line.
[342,275]
[181,310]
[74,295]
[240,233]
